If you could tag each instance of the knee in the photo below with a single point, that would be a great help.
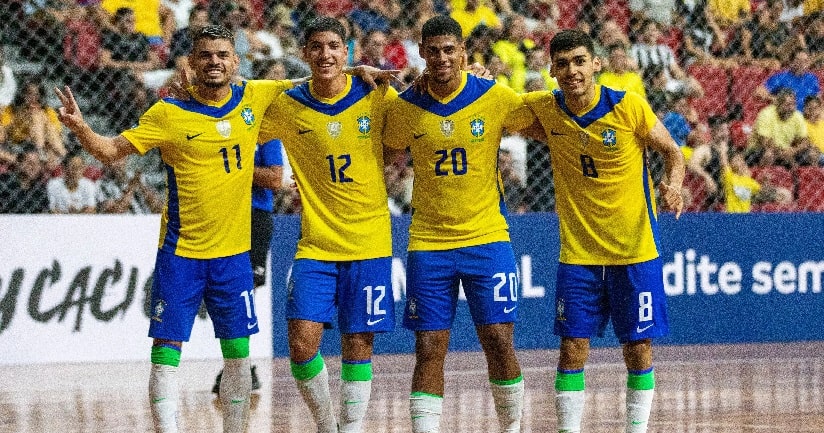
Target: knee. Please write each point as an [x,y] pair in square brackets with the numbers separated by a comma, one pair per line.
[431,346]
[573,354]
[638,354]
[496,338]
[357,346]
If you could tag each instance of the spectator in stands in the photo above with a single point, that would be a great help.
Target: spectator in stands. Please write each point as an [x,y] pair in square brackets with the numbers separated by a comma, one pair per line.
[181,43]
[703,37]
[796,77]
[276,35]
[120,191]
[538,76]
[373,44]
[647,52]
[658,95]
[513,48]
[660,11]
[72,192]
[473,14]
[768,35]
[247,45]
[814,118]
[541,16]
[151,19]
[479,45]
[82,43]
[514,188]
[680,118]
[181,11]
[125,57]
[729,13]
[780,134]
[814,38]
[741,190]
[705,160]
[619,73]
[29,121]
[610,34]
[8,83]
[23,190]
[371,15]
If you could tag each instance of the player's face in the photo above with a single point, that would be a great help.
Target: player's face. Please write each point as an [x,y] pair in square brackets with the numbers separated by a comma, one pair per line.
[214,62]
[443,56]
[326,55]
[574,70]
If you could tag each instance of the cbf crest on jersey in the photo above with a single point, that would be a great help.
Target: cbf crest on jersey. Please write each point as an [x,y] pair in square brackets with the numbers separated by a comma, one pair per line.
[610,139]
[157,311]
[447,127]
[477,127]
[247,115]
[334,129]
[364,125]
[224,128]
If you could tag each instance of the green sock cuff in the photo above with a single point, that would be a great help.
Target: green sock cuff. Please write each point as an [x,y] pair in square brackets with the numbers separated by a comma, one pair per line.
[235,348]
[569,380]
[359,371]
[425,394]
[308,369]
[641,380]
[506,382]
[165,355]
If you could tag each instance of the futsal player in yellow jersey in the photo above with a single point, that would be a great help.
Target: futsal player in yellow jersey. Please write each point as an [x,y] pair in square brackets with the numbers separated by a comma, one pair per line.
[331,129]
[459,234]
[609,267]
[207,145]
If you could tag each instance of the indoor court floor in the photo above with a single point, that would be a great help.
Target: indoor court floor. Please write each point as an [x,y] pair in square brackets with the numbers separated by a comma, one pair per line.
[700,389]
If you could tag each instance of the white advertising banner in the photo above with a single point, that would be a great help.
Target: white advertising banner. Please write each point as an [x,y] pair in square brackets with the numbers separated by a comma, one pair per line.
[74,289]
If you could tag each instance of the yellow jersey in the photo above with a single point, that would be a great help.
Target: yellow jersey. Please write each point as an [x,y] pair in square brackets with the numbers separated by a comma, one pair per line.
[457,199]
[335,150]
[604,194]
[208,151]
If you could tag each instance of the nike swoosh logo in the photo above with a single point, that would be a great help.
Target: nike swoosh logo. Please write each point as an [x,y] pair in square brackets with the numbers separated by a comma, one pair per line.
[640,329]
[556,133]
[158,400]
[251,325]
[508,310]
[371,322]
[633,422]
[304,131]
[190,137]
[352,402]
[417,136]
[238,401]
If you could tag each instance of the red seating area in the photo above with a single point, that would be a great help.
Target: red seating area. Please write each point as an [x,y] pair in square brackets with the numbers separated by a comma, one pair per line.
[810,186]
[716,83]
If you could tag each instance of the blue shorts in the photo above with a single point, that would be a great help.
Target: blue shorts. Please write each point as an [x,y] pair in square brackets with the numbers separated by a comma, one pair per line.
[360,291]
[487,273]
[224,284]
[587,297]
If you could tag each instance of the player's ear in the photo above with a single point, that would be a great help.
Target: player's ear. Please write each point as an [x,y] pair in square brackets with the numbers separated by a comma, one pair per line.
[596,64]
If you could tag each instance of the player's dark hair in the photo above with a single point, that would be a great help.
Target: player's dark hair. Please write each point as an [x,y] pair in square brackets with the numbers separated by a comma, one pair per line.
[324,24]
[441,25]
[571,39]
[213,32]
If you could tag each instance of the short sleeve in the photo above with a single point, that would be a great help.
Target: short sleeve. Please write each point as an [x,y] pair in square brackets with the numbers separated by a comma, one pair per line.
[150,131]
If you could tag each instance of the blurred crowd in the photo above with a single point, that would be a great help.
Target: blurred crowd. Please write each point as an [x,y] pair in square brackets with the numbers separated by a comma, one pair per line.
[736,82]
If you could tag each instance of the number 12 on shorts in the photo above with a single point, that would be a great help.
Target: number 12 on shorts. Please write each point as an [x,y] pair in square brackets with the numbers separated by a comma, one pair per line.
[374,296]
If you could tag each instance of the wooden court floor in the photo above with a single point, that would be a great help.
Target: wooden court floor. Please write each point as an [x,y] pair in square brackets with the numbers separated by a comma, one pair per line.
[700,389]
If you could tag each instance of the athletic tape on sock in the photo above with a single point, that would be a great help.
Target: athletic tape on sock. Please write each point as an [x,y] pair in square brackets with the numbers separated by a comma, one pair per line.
[307,370]
[166,354]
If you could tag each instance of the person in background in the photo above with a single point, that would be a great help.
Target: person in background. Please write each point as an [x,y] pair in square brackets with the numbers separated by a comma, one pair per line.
[23,189]
[72,192]
[120,191]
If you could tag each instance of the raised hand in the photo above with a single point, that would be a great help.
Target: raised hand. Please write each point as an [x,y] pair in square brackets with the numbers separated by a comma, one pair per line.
[373,76]
[179,87]
[69,113]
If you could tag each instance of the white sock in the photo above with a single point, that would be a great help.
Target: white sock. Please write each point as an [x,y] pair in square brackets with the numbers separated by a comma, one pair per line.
[163,395]
[235,394]
[315,393]
[639,405]
[354,400]
[425,411]
[509,405]
[569,407]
